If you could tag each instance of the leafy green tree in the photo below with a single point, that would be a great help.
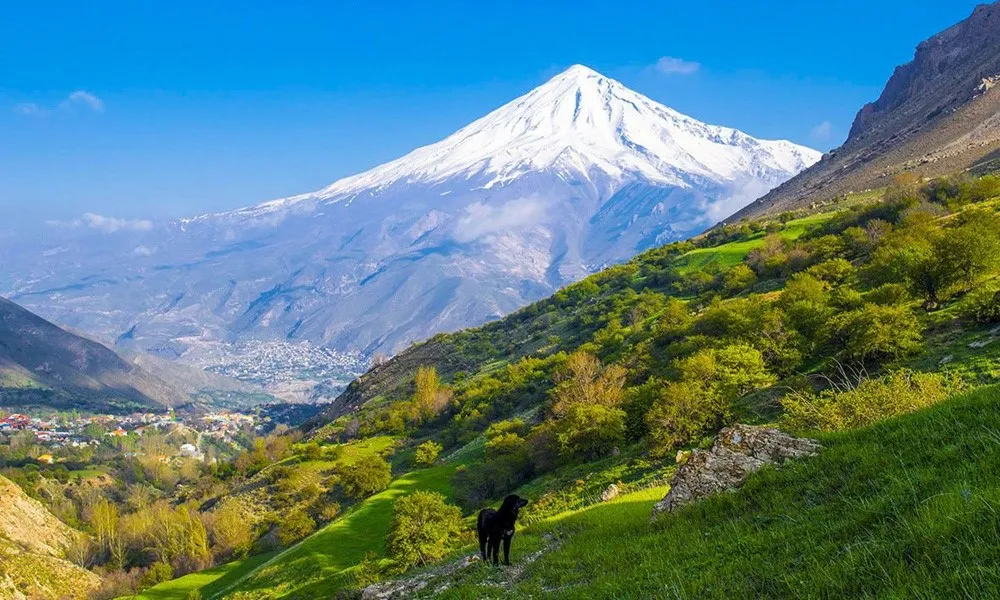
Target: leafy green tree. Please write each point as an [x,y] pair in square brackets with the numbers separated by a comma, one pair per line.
[422,529]
[583,379]
[158,572]
[972,249]
[587,422]
[430,396]
[230,530]
[294,526]
[368,475]
[427,453]
[738,278]
[682,413]
[876,333]
[588,431]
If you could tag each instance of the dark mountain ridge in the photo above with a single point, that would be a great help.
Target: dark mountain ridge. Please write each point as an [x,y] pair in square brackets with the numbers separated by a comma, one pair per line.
[41,363]
[938,114]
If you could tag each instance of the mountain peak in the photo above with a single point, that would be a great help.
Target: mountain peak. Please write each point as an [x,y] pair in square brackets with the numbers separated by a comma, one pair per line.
[580,124]
[577,71]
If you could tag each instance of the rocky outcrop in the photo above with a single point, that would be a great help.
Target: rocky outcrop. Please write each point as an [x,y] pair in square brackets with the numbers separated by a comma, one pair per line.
[736,452]
[610,493]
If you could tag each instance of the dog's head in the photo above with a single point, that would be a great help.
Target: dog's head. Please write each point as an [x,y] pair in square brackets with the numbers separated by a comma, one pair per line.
[512,504]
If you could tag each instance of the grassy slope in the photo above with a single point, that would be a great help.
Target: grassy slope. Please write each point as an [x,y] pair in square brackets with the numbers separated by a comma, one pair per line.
[315,567]
[905,509]
[733,253]
[209,582]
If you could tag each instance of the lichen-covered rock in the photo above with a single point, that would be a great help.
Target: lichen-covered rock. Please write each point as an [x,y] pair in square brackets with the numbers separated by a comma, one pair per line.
[610,493]
[736,452]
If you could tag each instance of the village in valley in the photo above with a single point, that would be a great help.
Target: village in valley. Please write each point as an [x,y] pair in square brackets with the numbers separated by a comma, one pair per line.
[54,431]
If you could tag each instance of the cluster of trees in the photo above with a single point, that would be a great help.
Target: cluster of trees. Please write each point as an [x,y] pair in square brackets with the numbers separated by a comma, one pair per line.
[658,352]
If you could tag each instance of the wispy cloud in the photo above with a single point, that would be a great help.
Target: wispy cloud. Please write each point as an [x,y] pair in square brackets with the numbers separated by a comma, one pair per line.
[671,65]
[105,224]
[80,99]
[481,219]
[30,109]
[822,132]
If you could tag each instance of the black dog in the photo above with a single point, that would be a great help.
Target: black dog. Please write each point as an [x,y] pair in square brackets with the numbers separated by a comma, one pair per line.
[496,525]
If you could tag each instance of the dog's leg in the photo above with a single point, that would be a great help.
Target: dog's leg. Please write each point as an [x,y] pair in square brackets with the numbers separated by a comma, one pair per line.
[506,548]
[482,546]
[495,550]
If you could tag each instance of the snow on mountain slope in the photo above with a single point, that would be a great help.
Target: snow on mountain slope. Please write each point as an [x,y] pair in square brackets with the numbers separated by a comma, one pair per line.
[578,122]
[579,173]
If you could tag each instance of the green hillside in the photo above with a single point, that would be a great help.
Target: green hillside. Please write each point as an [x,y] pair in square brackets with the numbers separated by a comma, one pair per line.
[903,509]
[835,325]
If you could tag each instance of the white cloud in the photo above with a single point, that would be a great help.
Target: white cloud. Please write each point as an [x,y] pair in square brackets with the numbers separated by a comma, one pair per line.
[79,98]
[822,132]
[480,219]
[83,98]
[143,251]
[113,224]
[30,109]
[739,196]
[669,65]
[105,224]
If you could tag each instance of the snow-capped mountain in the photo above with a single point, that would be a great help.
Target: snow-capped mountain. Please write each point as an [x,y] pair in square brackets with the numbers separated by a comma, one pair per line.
[576,174]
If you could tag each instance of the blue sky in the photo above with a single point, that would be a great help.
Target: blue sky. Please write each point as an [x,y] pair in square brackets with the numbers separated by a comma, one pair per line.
[161,109]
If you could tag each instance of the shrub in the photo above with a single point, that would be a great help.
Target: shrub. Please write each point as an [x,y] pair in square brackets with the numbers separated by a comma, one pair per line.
[427,454]
[370,474]
[889,294]
[738,278]
[475,484]
[423,526]
[832,271]
[683,413]
[875,333]
[326,510]
[872,400]
[588,431]
[158,572]
[295,526]
[983,306]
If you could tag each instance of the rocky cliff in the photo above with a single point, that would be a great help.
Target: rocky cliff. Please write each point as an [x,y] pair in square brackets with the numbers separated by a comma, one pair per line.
[938,114]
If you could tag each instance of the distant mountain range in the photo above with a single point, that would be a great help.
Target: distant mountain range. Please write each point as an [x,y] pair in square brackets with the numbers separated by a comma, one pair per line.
[577,174]
[41,363]
[938,114]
